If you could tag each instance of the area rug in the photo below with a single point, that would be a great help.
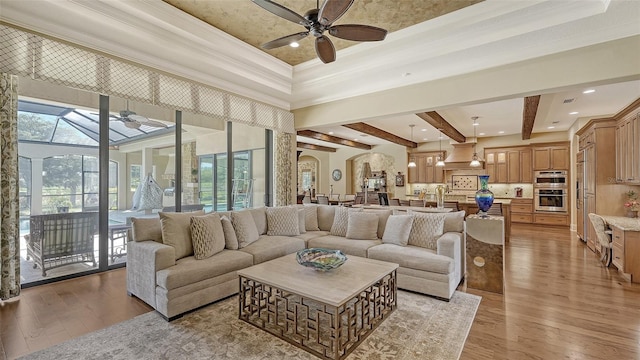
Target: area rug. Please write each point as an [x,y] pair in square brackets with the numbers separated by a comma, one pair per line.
[421,328]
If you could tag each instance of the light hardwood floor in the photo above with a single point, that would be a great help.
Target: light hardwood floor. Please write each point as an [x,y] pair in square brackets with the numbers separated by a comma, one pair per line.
[560,303]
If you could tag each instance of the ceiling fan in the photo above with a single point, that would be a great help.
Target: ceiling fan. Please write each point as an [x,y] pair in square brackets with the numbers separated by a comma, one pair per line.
[134,121]
[319,20]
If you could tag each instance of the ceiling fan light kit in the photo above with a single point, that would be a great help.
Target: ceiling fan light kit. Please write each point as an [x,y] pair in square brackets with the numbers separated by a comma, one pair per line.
[319,20]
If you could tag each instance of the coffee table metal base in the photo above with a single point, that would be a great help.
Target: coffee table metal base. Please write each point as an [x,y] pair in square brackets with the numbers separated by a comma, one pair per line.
[326,331]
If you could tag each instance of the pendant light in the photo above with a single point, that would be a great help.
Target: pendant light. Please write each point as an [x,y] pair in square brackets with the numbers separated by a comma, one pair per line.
[412,162]
[440,161]
[475,162]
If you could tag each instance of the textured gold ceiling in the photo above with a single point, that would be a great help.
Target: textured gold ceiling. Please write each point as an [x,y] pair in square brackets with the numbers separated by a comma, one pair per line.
[250,23]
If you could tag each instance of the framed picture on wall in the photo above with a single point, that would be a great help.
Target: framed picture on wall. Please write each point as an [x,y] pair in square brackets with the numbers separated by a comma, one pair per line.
[399,180]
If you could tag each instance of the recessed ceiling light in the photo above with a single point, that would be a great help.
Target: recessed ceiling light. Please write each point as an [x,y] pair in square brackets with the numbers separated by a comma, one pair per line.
[573,113]
[294,44]
[424,139]
[481,134]
[500,132]
[551,127]
[330,132]
[589,91]
[423,129]
[475,123]
[406,74]
[355,139]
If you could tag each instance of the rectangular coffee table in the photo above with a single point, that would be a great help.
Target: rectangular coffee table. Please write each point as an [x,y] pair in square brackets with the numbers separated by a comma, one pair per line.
[325,313]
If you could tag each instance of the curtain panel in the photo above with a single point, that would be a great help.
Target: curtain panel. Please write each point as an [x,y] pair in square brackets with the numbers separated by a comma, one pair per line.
[284,165]
[9,192]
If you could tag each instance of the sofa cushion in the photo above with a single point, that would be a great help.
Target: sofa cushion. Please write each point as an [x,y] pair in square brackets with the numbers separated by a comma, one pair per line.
[260,219]
[144,229]
[282,221]
[326,214]
[341,220]
[347,246]
[245,227]
[362,226]
[189,270]
[230,238]
[413,257]
[270,247]
[383,215]
[176,231]
[312,234]
[426,229]
[398,229]
[207,236]
[311,217]
[454,221]
[302,228]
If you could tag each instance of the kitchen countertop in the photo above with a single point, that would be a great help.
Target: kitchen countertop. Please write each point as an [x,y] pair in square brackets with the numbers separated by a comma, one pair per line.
[623,223]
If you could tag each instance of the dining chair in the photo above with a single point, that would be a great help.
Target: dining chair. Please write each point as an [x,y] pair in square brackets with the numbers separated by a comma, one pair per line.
[495,209]
[322,200]
[394,202]
[335,197]
[416,203]
[452,205]
[350,197]
[405,203]
[359,199]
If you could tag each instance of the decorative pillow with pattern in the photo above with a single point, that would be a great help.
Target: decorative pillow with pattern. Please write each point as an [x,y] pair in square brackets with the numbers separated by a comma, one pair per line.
[207,236]
[230,238]
[398,230]
[341,220]
[426,229]
[282,221]
[311,217]
[245,227]
[362,226]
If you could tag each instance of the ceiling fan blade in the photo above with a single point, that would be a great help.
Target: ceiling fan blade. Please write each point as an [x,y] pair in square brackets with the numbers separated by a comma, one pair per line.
[332,10]
[154,123]
[138,118]
[285,40]
[325,50]
[132,124]
[358,32]
[282,11]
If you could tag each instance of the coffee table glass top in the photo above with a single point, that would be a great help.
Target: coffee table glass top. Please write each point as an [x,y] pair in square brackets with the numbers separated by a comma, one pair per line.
[333,287]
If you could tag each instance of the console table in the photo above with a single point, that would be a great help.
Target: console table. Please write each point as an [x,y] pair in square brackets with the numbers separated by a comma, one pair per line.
[485,253]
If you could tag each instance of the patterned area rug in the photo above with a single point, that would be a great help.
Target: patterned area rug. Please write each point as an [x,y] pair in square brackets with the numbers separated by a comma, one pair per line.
[421,328]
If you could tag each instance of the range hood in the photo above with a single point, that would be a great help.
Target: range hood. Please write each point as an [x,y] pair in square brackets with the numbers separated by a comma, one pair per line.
[461,156]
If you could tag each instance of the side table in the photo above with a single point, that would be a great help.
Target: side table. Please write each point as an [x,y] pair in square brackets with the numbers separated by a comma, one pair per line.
[485,253]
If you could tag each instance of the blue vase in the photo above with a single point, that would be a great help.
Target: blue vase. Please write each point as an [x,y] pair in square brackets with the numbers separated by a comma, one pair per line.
[484,196]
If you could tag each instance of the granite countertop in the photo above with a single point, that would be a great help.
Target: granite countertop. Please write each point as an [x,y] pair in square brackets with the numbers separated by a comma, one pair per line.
[624,223]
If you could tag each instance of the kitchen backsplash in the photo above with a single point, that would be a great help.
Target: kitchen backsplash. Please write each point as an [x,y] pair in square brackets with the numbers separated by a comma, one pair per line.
[499,190]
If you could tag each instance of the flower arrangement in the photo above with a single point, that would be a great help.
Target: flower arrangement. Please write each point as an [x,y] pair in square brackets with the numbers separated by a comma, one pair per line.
[632,203]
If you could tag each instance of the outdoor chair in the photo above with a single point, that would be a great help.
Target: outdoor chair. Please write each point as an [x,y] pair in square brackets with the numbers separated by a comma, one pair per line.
[322,200]
[56,240]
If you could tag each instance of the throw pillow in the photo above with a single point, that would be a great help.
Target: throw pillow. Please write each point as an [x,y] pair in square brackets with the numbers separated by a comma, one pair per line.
[176,231]
[341,220]
[426,229]
[230,238]
[144,229]
[302,228]
[398,229]
[383,215]
[207,236]
[282,221]
[260,218]
[311,217]
[454,221]
[362,226]
[326,215]
[245,227]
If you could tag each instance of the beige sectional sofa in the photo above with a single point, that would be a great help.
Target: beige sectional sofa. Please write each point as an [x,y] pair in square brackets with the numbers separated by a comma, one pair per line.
[168,267]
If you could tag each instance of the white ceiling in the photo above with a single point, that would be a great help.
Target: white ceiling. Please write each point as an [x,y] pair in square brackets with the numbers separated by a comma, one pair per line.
[483,36]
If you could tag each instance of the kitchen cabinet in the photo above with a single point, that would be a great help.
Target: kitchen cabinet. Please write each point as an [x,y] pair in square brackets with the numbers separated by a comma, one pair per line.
[508,165]
[628,148]
[626,252]
[550,219]
[597,192]
[426,171]
[522,210]
[555,157]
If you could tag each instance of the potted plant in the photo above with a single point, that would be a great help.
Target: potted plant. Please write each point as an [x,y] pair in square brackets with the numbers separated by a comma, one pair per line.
[632,204]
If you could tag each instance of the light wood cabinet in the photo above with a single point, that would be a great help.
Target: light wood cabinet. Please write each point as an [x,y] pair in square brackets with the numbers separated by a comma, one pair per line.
[551,219]
[522,210]
[508,165]
[551,157]
[628,149]
[626,252]
[426,171]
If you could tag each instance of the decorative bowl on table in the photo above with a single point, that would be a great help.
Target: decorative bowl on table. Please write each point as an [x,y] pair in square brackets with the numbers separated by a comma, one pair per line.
[320,259]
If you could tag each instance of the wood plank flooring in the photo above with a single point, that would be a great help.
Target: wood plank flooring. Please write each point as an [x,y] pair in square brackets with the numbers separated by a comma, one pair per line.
[560,303]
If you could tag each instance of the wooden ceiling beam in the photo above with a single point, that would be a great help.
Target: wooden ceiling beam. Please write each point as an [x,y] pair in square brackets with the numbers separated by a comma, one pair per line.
[333,139]
[529,115]
[434,119]
[381,134]
[302,145]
